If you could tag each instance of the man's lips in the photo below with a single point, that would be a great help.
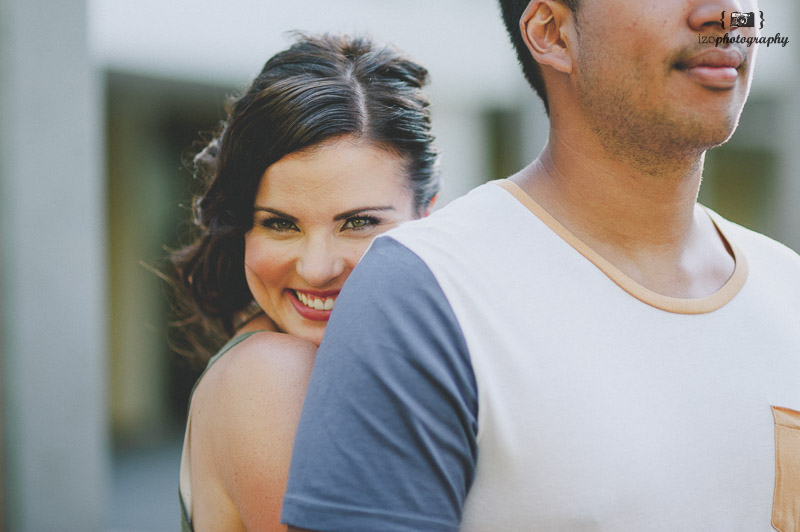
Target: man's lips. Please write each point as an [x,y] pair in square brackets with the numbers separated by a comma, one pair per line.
[715,58]
[716,68]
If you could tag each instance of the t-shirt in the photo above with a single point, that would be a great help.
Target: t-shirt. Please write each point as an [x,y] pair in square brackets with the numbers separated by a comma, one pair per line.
[484,370]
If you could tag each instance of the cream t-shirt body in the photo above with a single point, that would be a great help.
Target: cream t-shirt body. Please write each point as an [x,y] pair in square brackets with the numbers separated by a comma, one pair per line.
[485,370]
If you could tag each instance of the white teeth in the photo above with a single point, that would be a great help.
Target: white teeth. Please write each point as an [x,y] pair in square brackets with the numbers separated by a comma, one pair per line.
[315,303]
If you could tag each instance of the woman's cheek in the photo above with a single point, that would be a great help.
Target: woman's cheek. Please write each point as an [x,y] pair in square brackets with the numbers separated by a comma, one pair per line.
[265,260]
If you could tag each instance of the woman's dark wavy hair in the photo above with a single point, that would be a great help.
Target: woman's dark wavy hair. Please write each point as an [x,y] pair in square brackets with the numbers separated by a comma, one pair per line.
[320,88]
[512,11]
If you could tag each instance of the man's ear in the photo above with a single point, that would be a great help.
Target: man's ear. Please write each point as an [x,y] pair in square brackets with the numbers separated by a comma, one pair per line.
[546,27]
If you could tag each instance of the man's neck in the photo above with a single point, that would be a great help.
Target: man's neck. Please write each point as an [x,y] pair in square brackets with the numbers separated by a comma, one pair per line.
[640,217]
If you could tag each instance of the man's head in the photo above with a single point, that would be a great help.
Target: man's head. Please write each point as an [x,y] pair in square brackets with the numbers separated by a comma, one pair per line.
[512,13]
[636,74]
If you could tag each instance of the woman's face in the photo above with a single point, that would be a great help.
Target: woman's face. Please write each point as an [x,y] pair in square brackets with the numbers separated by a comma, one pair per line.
[316,211]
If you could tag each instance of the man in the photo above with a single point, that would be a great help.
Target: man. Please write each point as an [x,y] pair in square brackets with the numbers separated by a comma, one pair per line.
[582,346]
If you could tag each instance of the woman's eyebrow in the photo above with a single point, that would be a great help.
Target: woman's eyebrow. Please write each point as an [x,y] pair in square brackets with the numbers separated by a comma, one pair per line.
[354,212]
[289,217]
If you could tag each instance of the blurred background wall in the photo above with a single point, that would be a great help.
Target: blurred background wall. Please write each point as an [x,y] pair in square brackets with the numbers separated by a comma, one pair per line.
[101,101]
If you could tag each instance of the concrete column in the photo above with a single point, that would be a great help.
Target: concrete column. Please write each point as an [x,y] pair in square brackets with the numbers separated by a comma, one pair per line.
[55,472]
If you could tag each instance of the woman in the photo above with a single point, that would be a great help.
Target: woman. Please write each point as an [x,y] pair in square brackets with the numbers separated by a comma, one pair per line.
[328,147]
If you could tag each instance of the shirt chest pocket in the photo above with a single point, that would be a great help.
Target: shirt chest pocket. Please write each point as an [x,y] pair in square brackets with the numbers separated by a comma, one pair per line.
[786,501]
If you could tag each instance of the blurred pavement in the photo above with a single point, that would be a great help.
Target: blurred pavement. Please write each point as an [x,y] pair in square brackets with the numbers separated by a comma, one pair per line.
[145,489]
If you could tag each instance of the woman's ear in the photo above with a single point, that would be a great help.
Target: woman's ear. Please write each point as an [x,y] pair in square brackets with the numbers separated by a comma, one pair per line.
[429,209]
[547,29]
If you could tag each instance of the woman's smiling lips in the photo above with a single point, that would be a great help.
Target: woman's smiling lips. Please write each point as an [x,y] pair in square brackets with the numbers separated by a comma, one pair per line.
[716,68]
[313,305]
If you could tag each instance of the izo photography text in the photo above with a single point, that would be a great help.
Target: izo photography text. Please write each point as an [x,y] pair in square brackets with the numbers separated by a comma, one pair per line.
[739,39]
[743,20]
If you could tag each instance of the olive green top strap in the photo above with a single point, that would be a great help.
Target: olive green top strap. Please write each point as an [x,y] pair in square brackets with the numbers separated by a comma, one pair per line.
[230,344]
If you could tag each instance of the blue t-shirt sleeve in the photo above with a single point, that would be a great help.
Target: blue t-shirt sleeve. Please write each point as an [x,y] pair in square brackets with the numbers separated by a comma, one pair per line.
[387,436]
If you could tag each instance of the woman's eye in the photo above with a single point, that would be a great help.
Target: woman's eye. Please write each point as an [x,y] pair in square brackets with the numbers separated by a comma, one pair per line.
[360,222]
[277,224]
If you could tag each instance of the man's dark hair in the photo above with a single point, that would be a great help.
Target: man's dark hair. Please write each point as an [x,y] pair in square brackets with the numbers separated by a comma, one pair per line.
[512,11]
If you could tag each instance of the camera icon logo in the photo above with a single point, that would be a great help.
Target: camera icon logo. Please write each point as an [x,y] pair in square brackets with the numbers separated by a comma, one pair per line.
[743,20]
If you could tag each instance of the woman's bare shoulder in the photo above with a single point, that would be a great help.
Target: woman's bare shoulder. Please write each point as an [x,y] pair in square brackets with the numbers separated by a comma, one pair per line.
[263,355]
[244,415]
[268,367]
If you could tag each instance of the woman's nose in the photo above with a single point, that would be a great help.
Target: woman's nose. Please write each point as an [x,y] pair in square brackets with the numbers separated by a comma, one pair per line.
[321,263]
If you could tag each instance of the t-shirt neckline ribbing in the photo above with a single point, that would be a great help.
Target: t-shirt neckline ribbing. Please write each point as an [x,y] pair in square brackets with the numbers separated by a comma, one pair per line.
[676,305]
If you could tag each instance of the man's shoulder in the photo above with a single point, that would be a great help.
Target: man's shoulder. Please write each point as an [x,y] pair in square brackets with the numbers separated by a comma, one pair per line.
[460,215]
[391,269]
[760,247]
[474,224]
